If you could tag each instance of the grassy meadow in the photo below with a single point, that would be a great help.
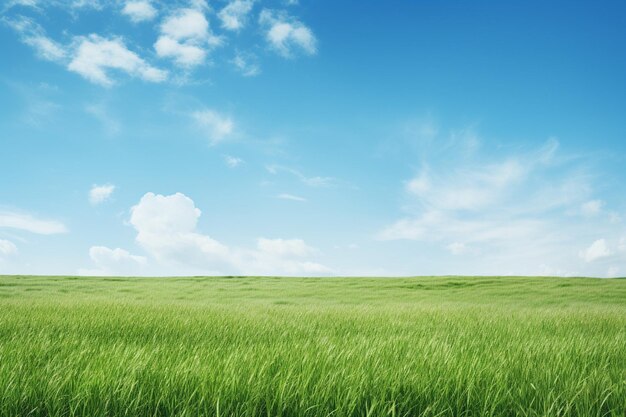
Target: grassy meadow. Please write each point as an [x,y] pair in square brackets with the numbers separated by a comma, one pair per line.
[256,346]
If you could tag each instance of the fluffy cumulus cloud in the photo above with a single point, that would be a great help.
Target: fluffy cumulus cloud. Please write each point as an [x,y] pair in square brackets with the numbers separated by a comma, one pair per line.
[216,126]
[167,230]
[597,250]
[100,193]
[139,11]
[186,37]
[28,223]
[287,35]
[234,15]
[95,57]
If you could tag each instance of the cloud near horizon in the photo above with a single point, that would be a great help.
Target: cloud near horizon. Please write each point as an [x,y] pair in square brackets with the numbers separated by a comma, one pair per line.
[166,227]
[508,212]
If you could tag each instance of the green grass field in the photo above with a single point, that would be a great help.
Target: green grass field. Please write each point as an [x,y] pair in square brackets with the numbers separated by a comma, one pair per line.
[444,346]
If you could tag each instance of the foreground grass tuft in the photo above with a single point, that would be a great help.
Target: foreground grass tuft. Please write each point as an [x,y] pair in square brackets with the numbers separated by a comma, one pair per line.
[446,346]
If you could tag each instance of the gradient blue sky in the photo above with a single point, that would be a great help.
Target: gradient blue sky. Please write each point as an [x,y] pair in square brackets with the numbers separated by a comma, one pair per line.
[313,138]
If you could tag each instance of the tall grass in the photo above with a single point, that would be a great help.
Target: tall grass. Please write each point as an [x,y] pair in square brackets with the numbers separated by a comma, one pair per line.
[312,347]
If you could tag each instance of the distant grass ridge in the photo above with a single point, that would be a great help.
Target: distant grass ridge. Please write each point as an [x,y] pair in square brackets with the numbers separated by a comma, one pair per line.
[263,346]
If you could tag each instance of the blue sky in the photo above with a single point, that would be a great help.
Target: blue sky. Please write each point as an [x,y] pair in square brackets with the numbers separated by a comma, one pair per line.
[312,138]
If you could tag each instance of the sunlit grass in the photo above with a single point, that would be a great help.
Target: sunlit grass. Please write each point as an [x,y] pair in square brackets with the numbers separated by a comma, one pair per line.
[312,347]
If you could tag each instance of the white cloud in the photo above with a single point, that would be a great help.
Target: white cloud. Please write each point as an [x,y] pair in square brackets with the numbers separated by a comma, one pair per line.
[186,24]
[245,64]
[25,3]
[100,193]
[438,225]
[509,210]
[286,256]
[286,34]
[184,54]
[46,47]
[591,208]
[216,126]
[316,181]
[480,202]
[33,35]
[115,261]
[139,11]
[233,15]
[95,56]
[167,230]
[598,250]
[79,4]
[457,248]
[467,189]
[232,161]
[7,248]
[31,224]
[186,38]
[284,247]
[285,196]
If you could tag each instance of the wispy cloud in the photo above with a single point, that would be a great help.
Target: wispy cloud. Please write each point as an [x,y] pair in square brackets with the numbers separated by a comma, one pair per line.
[233,161]
[285,196]
[315,181]
[591,208]
[216,126]
[7,249]
[29,223]
[111,124]
[246,64]
[34,35]
[516,211]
